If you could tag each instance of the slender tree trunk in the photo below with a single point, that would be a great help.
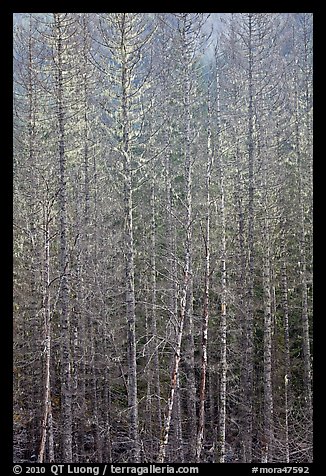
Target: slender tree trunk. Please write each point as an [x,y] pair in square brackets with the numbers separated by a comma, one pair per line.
[180,458]
[189,363]
[202,388]
[189,369]
[35,259]
[149,399]
[287,367]
[153,332]
[76,316]
[89,325]
[130,302]
[223,321]
[250,314]
[267,450]
[223,340]
[95,393]
[173,295]
[86,231]
[242,294]
[212,414]
[85,262]
[64,301]
[51,436]
[47,429]
[107,453]
[175,372]
[129,253]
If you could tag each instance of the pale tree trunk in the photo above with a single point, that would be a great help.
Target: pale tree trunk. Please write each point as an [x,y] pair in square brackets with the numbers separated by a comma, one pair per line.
[64,298]
[35,259]
[223,321]
[94,350]
[85,258]
[173,297]
[76,317]
[223,340]
[205,319]
[287,367]
[250,314]
[91,321]
[149,413]
[130,307]
[189,369]
[267,446]
[47,423]
[153,331]
[211,410]
[176,440]
[85,328]
[107,447]
[267,273]
[129,251]
[189,363]
[51,436]
[94,391]
[180,458]
[284,300]
[174,377]
[243,312]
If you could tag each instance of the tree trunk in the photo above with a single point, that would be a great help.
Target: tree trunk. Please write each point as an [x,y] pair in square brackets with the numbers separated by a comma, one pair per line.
[287,367]
[205,319]
[64,298]
[153,331]
[250,315]
[47,418]
[267,449]
[129,252]
[172,295]
[35,258]
[189,363]
[223,321]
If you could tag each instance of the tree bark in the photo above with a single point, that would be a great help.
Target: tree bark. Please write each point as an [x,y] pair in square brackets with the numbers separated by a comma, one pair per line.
[250,314]
[129,247]
[267,449]
[287,365]
[64,298]
[205,319]
[47,425]
[189,363]
[153,332]
[223,321]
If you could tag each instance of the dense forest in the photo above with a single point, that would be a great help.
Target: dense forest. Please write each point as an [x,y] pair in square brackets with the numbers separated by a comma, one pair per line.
[162,237]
